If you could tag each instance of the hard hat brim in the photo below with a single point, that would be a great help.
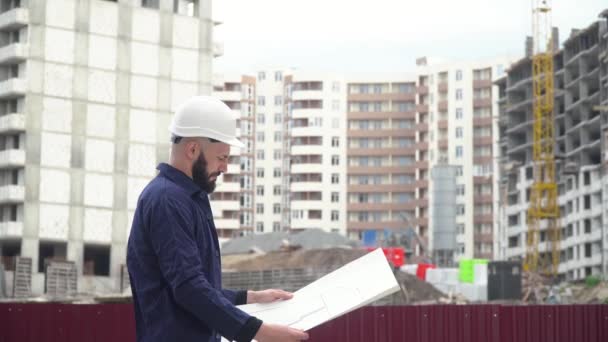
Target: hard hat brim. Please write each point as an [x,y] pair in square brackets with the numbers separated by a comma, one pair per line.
[234,142]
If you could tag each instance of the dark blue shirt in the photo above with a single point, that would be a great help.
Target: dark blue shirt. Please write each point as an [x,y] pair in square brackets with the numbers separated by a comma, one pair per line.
[174,264]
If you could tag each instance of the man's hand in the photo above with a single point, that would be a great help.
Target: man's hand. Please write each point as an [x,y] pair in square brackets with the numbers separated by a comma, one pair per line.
[279,333]
[267,296]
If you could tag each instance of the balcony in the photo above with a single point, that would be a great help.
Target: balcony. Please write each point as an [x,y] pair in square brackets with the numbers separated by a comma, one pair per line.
[13,87]
[12,193]
[305,186]
[13,53]
[482,102]
[482,84]
[224,223]
[482,121]
[15,18]
[12,123]
[228,187]
[312,94]
[11,229]
[306,223]
[442,123]
[442,86]
[12,158]
[442,105]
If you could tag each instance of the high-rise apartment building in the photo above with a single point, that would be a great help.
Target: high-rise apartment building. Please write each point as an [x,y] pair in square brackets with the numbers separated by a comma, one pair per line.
[463,132]
[86,94]
[232,202]
[300,147]
[581,85]
[387,156]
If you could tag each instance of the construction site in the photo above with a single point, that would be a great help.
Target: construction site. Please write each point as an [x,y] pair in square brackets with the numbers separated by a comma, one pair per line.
[484,182]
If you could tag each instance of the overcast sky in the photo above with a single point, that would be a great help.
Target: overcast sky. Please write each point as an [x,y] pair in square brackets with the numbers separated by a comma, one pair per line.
[378,35]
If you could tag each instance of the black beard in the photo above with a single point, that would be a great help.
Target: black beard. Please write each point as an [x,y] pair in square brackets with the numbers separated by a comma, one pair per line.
[200,176]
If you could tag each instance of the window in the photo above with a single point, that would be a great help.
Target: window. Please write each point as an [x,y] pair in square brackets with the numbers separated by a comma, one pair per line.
[335,105]
[278,76]
[260,154]
[278,136]
[297,214]
[335,160]
[259,190]
[96,260]
[458,94]
[48,251]
[458,75]
[276,226]
[458,132]
[183,7]
[261,76]
[458,113]
[259,208]
[459,171]
[277,118]
[259,227]
[260,136]
[335,178]
[335,197]
[335,215]
[316,122]
[460,210]
[277,155]
[276,172]
[259,172]
[261,118]
[460,229]
[261,101]
[150,3]
[335,142]
[460,190]
[276,190]
[335,123]
[278,100]
[335,87]
[276,208]
[458,151]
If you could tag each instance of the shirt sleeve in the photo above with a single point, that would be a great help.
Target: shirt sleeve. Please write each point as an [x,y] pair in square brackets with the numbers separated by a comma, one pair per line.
[235,297]
[172,238]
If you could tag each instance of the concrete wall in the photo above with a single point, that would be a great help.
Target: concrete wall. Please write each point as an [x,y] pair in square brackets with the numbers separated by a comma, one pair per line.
[103,78]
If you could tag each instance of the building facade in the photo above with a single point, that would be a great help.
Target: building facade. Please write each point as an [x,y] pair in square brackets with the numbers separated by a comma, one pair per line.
[463,132]
[86,94]
[232,202]
[387,156]
[580,78]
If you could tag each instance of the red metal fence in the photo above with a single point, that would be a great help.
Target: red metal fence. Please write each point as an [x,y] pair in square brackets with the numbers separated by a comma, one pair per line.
[466,323]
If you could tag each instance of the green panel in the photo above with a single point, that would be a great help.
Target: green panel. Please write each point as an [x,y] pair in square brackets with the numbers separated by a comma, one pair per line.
[465,273]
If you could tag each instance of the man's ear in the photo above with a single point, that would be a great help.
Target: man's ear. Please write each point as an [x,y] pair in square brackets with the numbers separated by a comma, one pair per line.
[191,150]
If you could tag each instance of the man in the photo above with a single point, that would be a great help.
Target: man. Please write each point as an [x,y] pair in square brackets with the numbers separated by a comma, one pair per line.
[173,252]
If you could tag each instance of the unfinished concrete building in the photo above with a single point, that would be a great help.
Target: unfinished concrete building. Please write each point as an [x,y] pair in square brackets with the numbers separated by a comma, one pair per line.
[86,94]
[582,186]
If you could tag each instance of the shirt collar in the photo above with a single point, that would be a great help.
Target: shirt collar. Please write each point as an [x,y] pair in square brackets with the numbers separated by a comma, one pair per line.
[179,178]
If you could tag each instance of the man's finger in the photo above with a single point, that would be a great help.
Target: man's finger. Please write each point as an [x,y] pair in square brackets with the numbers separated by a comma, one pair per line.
[280,294]
[299,334]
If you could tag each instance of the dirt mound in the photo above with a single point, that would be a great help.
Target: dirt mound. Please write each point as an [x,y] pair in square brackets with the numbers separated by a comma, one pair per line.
[312,258]
[413,291]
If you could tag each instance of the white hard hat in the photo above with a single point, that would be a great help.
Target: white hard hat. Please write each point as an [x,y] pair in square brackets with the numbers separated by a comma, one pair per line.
[206,117]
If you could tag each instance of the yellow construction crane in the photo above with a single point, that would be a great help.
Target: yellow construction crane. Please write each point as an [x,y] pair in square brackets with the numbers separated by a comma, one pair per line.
[543,212]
